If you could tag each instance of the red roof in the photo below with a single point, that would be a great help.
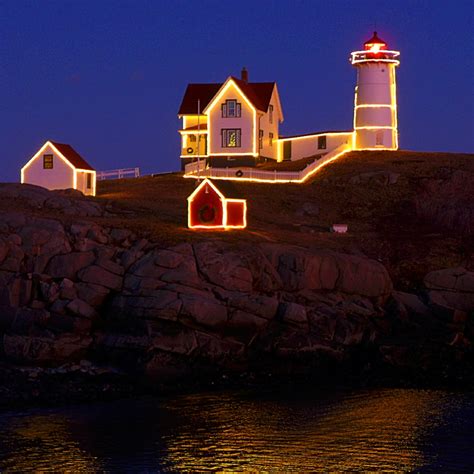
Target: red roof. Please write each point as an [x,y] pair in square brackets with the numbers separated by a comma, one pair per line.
[374,40]
[72,156]
[258,93]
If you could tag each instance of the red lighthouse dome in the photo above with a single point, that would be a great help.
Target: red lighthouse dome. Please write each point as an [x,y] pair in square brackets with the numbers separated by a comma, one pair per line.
[375,44]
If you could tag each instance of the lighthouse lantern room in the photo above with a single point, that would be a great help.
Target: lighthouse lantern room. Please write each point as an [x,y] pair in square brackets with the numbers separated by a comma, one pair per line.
[375,104]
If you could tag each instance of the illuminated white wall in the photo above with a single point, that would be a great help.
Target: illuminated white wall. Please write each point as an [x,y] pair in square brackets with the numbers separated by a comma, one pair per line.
[82,182]
[60,177]
[246,122]
[270,151]
[304,147]
[375,113]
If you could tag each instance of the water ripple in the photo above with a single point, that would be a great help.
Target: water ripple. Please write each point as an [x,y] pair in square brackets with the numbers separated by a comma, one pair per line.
[302,431]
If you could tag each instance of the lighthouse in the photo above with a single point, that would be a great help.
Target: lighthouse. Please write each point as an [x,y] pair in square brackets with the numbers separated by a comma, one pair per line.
[375,103]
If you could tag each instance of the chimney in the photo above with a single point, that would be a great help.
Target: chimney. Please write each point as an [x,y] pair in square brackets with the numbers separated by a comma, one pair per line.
[244,75]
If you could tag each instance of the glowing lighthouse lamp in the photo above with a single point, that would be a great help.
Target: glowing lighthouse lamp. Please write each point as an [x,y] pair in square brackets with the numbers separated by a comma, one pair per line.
[375,104]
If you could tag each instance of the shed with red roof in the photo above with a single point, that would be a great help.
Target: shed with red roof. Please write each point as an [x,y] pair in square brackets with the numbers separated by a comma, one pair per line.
[59,166]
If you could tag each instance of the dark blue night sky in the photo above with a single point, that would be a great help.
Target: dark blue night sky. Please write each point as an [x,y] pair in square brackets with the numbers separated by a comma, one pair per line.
[108,76]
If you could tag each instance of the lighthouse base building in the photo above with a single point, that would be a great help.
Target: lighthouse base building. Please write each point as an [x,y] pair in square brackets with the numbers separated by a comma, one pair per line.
[234,125]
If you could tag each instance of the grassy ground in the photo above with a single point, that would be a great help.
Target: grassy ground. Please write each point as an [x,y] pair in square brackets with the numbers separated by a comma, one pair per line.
[381,218]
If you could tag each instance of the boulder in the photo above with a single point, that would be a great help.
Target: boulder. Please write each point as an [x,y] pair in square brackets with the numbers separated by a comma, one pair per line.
[229,272]
[26,320]
[3,250]
[293,313]
[184,342]
[118,236]
[260,305]
[67,266]
[300,269]
[34,196]
[94,294]
[203,311]
[80,308]
[450,289]
[411,303]
[448,202]
[100,276]
[159,304]
[43,350]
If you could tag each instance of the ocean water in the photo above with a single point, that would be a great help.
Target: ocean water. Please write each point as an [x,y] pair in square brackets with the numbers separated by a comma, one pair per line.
[293,430]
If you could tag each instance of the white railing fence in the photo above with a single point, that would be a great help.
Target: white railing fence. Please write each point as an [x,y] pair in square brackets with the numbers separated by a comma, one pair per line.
[254,174]
[119,173]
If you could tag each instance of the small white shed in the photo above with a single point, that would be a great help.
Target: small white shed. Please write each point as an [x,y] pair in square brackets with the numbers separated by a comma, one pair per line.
[59,166]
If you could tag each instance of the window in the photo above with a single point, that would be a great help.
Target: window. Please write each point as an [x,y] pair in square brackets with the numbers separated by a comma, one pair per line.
[231,108]
[231,137]
[89,181]
[379,138]
[48,162]
[270,136]
[260,139]
[270,114]
[192,138]
[322,142]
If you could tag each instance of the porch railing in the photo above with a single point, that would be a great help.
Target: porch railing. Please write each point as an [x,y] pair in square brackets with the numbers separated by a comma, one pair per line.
[200,170]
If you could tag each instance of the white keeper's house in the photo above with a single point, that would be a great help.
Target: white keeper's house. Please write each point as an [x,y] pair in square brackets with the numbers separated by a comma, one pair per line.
[59,166]
[235,124]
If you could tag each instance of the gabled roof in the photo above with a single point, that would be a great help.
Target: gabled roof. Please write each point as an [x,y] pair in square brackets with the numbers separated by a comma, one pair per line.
[72,156]
[194,92]
[226,189]
[258,93]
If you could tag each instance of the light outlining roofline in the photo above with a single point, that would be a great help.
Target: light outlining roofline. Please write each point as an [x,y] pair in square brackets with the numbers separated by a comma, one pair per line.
[224,201]
[377,148]
[198,188]
[190,116]
[381,127]
[38,153]
[191,132]
[230,82]
[193,156]
[303,137]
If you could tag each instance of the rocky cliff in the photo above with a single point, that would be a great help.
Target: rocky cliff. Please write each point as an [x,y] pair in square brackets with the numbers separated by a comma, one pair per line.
[81,298]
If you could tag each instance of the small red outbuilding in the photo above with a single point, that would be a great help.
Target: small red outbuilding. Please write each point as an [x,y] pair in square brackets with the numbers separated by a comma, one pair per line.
[212,206]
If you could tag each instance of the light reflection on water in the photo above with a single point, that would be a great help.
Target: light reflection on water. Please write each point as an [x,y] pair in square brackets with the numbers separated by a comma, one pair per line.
[374,430]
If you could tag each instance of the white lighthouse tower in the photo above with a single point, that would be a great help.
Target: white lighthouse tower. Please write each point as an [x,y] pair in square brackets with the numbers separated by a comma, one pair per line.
[375,104]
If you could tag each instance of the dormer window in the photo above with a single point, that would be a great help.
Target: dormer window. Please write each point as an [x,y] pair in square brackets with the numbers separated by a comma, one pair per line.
[231,109]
